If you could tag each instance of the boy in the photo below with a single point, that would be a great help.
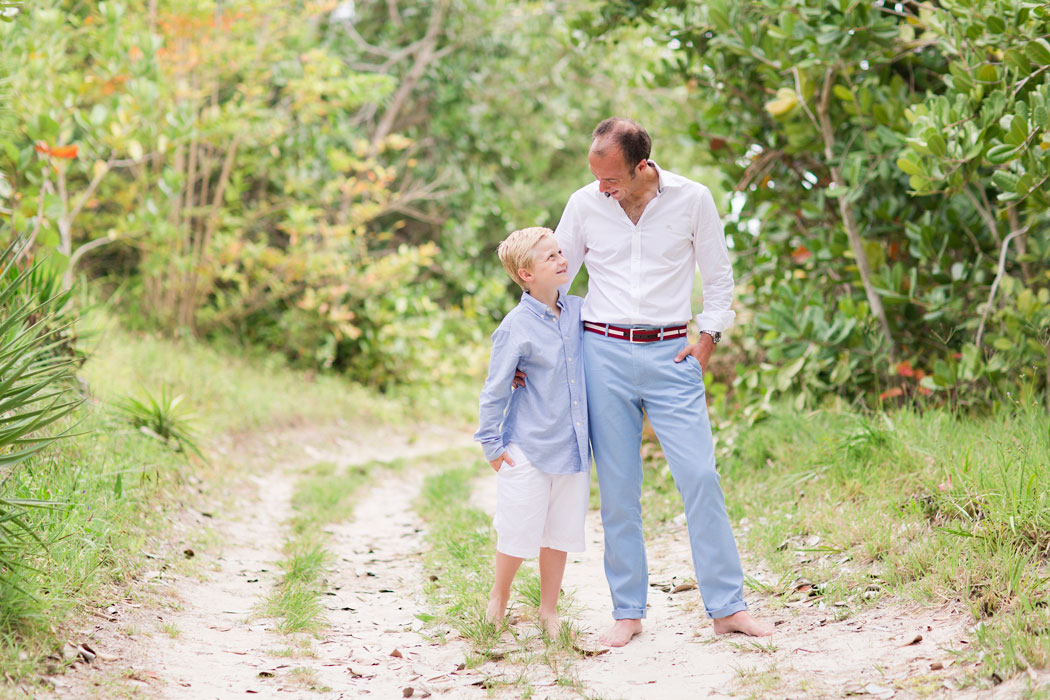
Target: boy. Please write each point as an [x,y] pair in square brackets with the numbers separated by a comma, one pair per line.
[535,437]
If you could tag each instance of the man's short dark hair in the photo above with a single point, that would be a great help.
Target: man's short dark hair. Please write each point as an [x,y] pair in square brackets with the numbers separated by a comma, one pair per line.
[629,135]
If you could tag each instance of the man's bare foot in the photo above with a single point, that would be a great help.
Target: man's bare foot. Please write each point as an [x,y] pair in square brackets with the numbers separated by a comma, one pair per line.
[496,610]
[744,623]
[621,632]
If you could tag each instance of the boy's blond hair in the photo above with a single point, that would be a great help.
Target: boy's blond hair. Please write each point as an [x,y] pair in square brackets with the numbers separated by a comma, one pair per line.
[515,252]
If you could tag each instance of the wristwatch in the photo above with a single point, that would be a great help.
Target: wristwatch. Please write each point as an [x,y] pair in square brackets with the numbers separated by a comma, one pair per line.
[715,335]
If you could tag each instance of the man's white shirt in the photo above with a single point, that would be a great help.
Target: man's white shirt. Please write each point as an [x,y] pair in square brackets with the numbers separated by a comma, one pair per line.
[643,274]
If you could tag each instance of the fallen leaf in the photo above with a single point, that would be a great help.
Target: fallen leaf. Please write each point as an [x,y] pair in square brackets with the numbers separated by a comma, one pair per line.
[689,586]
[936,666]
[397,654]
[266,674]
[915,640]
[583,651]
[407,692]
[86,653]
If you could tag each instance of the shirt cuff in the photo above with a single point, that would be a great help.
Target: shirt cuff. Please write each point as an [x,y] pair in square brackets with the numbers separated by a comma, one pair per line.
[715,320]
[493,450]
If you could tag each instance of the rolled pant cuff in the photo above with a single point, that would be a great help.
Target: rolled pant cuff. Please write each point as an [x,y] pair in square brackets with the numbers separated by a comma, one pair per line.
[629,614]
[727,610]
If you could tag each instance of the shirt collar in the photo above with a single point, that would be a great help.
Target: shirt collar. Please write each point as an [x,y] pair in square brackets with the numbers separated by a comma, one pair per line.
[538,307]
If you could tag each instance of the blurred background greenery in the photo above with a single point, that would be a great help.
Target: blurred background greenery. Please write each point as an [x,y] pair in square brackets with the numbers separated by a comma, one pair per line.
[280,210]
[327,180]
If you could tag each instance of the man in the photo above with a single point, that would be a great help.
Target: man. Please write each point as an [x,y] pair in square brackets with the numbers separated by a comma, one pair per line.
[642,232]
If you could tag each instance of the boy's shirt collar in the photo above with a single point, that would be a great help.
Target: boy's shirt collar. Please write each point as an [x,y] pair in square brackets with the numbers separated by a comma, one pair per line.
[538,307]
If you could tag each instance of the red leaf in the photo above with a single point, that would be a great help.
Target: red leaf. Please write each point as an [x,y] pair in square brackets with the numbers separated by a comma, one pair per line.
[905,369]
[891,393]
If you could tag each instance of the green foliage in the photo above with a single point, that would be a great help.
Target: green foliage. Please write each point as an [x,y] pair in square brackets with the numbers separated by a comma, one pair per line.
[880,158]
[36,392]
[162,417]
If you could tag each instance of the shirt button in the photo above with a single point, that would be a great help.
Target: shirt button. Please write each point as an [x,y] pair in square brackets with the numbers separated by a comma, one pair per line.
[575,403]
[570,359]
[577,422]
[572,381]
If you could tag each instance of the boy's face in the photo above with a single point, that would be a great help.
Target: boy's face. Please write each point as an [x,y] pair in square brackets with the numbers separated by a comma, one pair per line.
[549,269]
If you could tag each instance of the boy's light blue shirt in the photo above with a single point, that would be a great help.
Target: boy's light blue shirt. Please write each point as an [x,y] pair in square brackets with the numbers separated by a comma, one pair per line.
[547,418]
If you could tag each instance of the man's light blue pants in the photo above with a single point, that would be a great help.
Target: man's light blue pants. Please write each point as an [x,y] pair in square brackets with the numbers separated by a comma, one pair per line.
[623,379]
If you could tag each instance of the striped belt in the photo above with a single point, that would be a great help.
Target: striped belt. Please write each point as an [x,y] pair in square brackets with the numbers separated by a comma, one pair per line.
[636,335]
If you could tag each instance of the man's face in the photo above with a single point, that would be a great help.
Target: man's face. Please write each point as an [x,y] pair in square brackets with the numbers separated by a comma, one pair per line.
[615,178]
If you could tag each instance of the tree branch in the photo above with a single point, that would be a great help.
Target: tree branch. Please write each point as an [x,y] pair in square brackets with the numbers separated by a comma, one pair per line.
[848,218]
[995,283]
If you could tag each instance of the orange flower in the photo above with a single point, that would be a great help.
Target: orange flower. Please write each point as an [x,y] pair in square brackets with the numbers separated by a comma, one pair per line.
[891,393]
[905,369]
[801,254]
[65,152]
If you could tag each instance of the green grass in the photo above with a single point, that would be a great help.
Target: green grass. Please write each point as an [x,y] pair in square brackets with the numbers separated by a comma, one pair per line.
[924,505]
[323,495]
[119,488]
[460,558]
[240,390]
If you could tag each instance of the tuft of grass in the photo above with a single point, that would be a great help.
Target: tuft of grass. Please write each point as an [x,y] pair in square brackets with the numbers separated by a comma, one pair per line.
[162,417]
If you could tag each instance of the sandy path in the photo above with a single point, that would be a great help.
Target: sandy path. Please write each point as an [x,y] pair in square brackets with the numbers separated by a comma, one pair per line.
[376,647]
[811,655]
[222,649]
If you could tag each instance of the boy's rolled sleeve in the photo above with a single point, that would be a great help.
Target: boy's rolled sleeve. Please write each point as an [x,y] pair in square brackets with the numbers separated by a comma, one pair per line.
[495,395]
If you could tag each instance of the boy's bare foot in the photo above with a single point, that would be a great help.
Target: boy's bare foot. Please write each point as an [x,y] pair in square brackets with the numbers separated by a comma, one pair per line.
[744,623]
[496,610]
[621,632]
[551,625]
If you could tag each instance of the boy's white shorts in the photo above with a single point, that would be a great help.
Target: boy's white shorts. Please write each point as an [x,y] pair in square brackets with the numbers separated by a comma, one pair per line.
[534,509]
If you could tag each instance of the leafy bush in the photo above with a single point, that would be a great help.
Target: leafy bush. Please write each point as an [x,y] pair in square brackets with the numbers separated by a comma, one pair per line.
[890,184]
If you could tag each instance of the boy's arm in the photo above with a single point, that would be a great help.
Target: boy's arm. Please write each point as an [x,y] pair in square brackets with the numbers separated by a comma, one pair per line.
[495,396]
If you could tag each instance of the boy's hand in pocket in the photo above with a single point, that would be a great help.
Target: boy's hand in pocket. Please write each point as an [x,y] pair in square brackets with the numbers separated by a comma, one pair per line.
[498,462]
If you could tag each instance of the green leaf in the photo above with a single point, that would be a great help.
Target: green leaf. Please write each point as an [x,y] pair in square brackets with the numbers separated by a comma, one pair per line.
[1041,117]
[960,77]
[1018,132]
[1039,51]
[843,93]
[1005,180]
[788,373]
[995,24]
[937,145]
[909,166]
[1015,58]
[1002,344]
[1002,153]
[987,73]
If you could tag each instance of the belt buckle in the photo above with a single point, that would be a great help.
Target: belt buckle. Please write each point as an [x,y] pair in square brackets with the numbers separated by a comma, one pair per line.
[630,335]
